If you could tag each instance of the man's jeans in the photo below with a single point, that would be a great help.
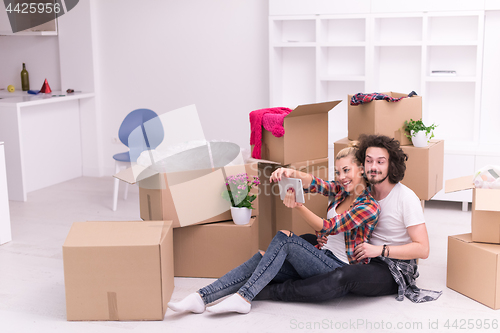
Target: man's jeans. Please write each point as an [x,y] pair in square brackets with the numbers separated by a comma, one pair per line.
[286,258]
[372,279]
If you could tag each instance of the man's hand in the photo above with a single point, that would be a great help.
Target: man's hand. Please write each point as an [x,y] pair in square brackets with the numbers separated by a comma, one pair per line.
[322,241]
[365,250]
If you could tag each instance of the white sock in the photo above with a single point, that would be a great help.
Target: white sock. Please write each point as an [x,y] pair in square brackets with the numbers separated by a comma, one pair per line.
[234,303]
[192,303]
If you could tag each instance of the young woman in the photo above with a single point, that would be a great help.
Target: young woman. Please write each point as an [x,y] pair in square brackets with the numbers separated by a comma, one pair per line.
[352,216]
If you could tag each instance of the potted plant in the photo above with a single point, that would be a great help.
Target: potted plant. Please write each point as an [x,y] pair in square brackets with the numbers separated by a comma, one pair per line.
[238,193]
[419,133]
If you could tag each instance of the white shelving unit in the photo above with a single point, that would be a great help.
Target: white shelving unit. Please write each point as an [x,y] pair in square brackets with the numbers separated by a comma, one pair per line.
[321,56]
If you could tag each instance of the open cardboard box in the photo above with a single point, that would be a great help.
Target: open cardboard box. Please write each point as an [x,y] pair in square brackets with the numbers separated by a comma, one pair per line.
[485,209]
[474,269]
[306,135]
[424,168]
[186,188]
[383,117]
[211,250]
[290,219]
[118,270]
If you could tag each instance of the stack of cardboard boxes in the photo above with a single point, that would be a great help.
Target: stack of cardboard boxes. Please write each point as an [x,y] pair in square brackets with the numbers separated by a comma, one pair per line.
[424,168]
[474,259]
[125,270]
[304,147]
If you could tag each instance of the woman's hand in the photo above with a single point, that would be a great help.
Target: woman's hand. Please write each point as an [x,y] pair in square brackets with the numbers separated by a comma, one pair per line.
[278,173]
[365,250]
[290,199]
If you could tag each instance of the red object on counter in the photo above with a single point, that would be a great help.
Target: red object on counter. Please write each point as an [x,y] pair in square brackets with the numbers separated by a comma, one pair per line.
[45,88]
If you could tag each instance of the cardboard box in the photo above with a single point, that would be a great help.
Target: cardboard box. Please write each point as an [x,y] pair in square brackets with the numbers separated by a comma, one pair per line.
[212,250]
[290,219]
[172,196]
[382,117]
[485,209]
[474,269]
[267,206]
[306,135]
[424,168]
[118,270]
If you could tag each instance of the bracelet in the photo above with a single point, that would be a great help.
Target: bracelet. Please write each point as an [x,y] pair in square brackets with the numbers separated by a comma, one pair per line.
[383,251]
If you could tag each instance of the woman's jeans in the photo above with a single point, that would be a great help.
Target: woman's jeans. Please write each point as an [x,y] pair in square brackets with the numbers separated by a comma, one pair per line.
[286,258]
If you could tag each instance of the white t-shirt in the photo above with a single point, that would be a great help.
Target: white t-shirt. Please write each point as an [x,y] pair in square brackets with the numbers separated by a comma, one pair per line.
[399,210]
[336,243]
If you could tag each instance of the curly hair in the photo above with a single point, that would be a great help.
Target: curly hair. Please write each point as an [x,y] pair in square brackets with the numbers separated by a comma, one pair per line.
[397,157]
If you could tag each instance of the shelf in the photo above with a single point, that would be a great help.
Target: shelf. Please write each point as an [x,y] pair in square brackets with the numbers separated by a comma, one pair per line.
[29,33]
[296,31]
[462,59]
[343,44]
[295,44]
[450,78]
[453,43]
[401,43]
[346,78]
[398,29]
[342,30]
[453,28]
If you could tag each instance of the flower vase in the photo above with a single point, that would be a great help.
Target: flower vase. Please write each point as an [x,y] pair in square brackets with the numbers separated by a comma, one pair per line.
[241,215]
[419,139]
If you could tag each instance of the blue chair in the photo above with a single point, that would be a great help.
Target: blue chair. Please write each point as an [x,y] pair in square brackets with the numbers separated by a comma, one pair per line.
[140,130]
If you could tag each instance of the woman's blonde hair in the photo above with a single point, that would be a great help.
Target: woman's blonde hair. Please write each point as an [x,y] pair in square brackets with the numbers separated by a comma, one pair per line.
[350,150]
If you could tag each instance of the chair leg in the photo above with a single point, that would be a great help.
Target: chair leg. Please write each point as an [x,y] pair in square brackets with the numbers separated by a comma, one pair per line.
[116,185]
[126,192]
[115,194]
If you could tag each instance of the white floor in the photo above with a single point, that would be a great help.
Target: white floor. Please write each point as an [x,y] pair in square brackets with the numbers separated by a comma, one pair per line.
[32,282]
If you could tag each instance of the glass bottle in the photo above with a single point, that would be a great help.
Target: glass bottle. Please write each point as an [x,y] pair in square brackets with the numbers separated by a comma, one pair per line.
[25,80]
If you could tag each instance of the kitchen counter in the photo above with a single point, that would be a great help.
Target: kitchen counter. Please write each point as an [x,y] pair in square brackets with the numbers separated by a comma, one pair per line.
[43,139]
[22,98]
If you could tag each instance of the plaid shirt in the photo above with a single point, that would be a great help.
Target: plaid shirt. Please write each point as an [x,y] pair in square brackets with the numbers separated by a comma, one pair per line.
[405,272]
[360,98]
[357,222]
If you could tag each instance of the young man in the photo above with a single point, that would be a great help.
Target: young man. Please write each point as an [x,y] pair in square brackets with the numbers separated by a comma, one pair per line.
[399,238]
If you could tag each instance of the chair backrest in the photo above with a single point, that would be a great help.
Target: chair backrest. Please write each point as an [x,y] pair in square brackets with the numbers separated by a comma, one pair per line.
[133,134]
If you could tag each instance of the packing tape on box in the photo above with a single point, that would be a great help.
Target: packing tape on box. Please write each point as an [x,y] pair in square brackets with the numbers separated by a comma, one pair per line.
[112,306]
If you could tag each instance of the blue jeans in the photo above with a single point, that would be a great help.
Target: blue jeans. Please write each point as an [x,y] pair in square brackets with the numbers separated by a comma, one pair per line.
[287,257]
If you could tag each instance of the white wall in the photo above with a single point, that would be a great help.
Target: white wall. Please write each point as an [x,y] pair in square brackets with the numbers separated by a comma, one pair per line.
[41,55]
[164,55]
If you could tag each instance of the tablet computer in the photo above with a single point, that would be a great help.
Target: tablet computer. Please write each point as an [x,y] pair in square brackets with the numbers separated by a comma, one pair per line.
[295,183]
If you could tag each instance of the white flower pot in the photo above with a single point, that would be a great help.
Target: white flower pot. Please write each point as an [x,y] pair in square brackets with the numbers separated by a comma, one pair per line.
[420,139]
[241,215]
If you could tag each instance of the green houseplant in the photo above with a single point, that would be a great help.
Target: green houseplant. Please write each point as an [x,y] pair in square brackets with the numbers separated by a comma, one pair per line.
[419,134]
[237,192]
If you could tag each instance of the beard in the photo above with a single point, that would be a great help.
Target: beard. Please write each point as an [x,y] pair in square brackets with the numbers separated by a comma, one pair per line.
[374,181]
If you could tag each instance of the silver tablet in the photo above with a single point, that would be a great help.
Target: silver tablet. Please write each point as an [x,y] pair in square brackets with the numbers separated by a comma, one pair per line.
[295,183]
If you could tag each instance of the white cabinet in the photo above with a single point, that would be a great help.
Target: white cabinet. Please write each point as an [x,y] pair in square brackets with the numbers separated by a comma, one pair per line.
[46,29]
[5,231]
[322,56]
